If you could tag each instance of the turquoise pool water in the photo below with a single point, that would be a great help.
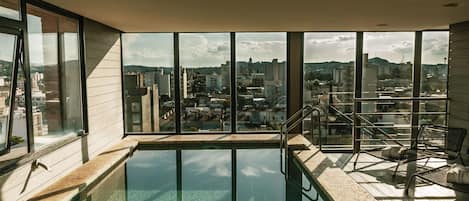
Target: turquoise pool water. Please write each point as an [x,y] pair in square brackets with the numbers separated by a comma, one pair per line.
[204,175]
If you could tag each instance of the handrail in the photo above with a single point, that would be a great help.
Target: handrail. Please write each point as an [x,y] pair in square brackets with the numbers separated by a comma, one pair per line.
[286,122]
[389,138]
[400,99]
[379,129]
[291,123]
[349,119]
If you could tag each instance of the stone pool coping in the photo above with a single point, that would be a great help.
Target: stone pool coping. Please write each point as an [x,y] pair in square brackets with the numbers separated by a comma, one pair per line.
[336,184]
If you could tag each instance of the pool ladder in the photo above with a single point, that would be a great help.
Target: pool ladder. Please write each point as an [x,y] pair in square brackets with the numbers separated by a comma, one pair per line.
[291,123]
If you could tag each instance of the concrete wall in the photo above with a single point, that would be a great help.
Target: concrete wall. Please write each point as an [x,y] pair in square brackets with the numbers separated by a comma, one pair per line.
[458,86]
[104,112]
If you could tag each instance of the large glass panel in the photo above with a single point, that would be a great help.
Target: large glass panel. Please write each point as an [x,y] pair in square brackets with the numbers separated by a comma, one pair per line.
[387,73]
[328,81]
[148,60]
[10,9]
[206,175]
[258,175]
[261,80]
[55,75]
[434,76]
[7,57]
[205,84]
[151,175]
[19,134]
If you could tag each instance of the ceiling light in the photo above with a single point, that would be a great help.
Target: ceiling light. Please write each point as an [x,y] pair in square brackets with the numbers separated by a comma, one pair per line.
[451,5]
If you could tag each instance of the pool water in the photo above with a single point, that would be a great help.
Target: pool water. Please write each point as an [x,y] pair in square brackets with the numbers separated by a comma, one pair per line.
[204,175]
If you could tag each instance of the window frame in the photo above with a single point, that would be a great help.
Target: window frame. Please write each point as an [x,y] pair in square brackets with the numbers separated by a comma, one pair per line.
[16,59]
[416,74]
[7,161]
[233,89]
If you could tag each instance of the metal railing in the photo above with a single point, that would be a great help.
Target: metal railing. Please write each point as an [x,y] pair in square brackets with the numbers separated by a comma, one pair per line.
[291,123]
[388,137]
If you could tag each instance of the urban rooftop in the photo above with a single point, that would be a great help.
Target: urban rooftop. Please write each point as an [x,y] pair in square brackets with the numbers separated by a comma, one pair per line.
[234,100]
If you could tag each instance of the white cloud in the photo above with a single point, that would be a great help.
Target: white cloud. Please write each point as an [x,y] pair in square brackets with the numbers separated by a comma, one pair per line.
[250,171]
[213,162]
[213,49]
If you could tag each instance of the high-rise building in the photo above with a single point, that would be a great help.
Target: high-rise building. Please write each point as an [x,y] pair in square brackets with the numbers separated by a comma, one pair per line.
[141,104]
[164,83]
[370,83]
[214,82]
[184,83]
[225,73]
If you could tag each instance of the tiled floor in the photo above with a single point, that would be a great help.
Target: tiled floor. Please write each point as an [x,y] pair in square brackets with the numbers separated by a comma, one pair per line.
[375,175]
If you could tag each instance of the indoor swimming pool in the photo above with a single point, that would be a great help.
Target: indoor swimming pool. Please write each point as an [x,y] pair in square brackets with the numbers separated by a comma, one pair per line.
[204,174]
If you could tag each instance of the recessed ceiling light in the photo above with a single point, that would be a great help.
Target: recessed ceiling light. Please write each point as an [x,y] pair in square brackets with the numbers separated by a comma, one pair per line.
[381,25]
[451,5]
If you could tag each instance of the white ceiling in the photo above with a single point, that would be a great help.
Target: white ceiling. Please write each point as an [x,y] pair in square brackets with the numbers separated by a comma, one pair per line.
[269,15]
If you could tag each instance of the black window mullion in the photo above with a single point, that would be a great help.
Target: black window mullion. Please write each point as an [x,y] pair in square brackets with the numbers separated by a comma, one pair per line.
[177,83]
[27,80]
[14,73]
[84,100]
[233,81]
[358,89]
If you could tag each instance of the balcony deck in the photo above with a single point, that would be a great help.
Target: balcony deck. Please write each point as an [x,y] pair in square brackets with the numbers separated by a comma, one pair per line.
[375,175]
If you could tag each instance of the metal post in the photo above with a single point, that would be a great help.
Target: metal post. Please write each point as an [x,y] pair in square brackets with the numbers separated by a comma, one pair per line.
[416,89]
[358,91]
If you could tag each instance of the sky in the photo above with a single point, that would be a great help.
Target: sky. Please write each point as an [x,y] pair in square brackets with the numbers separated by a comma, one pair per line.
[213,49]
[8,45]
[201,49]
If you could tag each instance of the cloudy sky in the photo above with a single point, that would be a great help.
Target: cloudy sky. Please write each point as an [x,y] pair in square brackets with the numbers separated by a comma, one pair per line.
[213,49]
[201,49]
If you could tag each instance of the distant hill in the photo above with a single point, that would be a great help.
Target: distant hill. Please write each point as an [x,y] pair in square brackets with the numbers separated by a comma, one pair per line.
[323,67]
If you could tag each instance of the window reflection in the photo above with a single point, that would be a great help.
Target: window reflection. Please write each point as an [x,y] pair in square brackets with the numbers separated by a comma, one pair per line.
[206,175]
[7,59]
[259,176]
[151,175]
[10,9]
[55,75]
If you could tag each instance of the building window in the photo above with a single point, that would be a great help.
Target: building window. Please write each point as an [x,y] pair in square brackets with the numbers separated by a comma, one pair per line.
[55,75]
[205,81]
[387,73]
[328,80]
[261,81]
[148,61]
[10,9]
[434,77]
